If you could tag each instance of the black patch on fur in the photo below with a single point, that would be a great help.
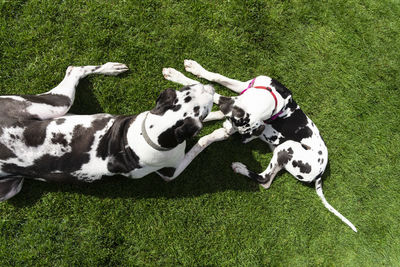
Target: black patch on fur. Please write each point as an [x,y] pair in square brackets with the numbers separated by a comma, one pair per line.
[164,102]
[185,88]
[304,131]
[291,105]
[239,117]
[59,138]
[114,145]
[6,153]
[284,156]
[320,152]
[238,112]
[299,177]
[196,111]
[189,129]
[280,88]
[258,131]
[35,132]
[271,138]
[225,104]
[177,107]
[182,130]
[293,127]
[167,171]
[60,121]
[187,99]
[304,167]
[49,99]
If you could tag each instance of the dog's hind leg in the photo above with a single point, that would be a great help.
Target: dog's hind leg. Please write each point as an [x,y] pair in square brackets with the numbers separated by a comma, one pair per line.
[196,69]
[282,156]
[265,178]
[57,102]
[9,187]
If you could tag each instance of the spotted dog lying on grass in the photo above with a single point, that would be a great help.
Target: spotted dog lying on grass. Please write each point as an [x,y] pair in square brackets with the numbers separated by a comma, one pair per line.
[265,109]
[39,140]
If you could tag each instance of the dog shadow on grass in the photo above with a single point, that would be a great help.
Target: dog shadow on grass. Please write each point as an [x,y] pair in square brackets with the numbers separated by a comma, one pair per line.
[85,101]
[209,173]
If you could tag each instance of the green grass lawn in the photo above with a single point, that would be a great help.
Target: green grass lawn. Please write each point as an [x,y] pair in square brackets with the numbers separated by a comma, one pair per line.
[341,59]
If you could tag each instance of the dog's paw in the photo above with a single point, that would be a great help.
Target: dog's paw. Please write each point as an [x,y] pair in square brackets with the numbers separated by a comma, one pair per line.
[194,68]
[113,68]
[204,141]
[266,185]
[220,134]
[240,168]
[172,75]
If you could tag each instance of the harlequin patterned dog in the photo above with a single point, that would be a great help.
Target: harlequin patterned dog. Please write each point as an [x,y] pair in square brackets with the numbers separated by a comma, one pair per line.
[39,140]
[265,109]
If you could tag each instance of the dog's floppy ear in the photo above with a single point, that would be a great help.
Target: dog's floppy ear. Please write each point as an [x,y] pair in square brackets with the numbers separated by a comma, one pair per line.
[225,104]
[188,129]
[164,102]
[182,130]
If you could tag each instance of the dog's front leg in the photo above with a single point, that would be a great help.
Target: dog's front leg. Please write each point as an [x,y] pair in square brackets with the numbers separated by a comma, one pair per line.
[218,135]
[214,116]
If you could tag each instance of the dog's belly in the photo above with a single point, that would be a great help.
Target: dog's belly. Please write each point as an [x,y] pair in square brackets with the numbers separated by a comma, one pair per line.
[62,149]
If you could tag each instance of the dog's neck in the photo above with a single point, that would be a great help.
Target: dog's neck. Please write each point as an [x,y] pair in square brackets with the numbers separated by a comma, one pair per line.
[145,128]
[157,133]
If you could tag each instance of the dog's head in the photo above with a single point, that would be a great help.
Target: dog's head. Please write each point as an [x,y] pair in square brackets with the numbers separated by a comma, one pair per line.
[247,112]
[185,109]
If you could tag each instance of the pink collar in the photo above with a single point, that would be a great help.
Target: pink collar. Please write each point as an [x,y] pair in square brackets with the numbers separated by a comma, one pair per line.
[273,95]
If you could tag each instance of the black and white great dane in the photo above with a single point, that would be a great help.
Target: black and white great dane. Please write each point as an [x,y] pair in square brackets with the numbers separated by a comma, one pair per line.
[265,109]
[39,140]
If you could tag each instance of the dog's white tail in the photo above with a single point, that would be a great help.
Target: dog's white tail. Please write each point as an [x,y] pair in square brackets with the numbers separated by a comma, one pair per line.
[318,188]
